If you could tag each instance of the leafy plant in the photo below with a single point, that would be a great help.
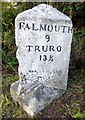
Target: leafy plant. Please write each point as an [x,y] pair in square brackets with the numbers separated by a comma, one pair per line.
[79,114]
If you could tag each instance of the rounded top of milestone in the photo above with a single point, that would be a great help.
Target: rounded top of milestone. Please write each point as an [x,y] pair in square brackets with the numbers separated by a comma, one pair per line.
[43,11]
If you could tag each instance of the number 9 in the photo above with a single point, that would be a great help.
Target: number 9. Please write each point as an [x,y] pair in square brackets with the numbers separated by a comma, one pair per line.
[47,37]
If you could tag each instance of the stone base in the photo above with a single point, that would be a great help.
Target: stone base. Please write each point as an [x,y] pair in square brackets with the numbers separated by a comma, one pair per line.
[37,99]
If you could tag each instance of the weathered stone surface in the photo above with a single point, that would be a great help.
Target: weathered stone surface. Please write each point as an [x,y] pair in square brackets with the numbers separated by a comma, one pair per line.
[43,37]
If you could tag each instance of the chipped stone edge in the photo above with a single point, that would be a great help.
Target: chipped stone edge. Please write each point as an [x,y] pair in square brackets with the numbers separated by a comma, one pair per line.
[26,108]
[19,100]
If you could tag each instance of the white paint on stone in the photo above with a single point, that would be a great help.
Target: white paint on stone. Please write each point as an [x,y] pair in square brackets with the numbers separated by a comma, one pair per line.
[43,37]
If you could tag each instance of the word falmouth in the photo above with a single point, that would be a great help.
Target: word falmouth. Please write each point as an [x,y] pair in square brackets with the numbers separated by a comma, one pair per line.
[45,27]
